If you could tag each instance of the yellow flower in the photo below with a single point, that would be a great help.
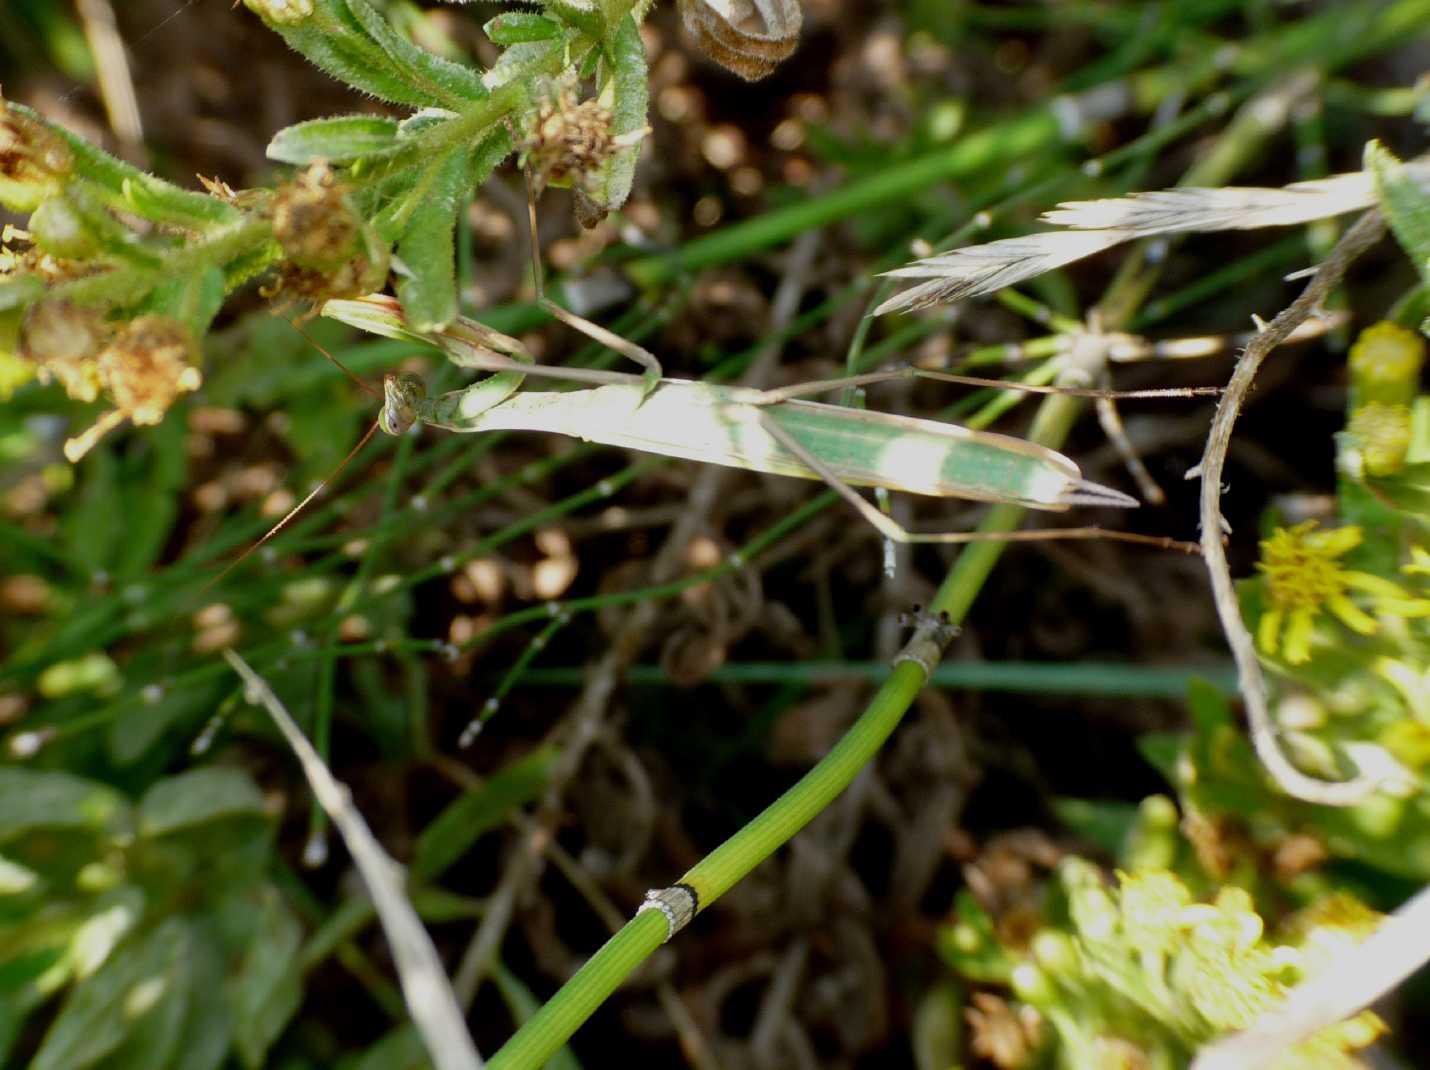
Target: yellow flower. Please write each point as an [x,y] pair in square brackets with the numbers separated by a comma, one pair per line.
[1303,576]
[1419,562]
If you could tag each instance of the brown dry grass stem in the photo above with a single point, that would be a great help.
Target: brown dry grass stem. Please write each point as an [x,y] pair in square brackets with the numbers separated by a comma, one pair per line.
[1365,233]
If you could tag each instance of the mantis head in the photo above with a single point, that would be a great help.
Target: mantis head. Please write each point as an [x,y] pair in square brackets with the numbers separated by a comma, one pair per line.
[402,395]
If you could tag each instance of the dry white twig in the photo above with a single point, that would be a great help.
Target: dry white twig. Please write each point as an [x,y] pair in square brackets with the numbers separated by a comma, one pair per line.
[1366,232]
[429,996]
[1353,982]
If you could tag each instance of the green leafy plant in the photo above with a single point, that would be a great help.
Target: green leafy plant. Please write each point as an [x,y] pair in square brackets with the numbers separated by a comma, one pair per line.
[158,920]
[113,287]
[125,273]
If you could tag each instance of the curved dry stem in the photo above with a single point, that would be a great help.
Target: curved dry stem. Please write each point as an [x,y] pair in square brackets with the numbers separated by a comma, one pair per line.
[1365,233]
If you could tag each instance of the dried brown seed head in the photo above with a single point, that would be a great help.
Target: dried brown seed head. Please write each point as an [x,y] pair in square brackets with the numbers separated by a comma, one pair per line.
[569,140]
[313,220]
[34,160]
[147,366]
[63,341]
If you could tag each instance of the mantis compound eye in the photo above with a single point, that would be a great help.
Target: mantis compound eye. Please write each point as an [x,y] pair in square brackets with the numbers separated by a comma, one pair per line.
[401,394]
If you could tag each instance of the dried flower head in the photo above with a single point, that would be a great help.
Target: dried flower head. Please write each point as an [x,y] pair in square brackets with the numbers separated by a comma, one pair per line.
[1005,1035]
[147,366]
[62,341]
[568,140]
[313,220]
[1302,575]
[331,252]
[144,368]
[34,160]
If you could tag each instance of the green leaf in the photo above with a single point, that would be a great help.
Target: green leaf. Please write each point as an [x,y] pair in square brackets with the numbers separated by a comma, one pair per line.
[195,797]
[339,139]
[936,1032]
[516,27]
[427,275]
[87,524]
[1105,824]
[125,186]
[492,150]
[268,987]
[128,1014]
[1161,751]
[1408,489]
[21,291]
[401,1049]
[1208,705]
[333,39]
[625,89]
[443,82]
[475,812]
[152,476]
[36,799]
[1405,204]
[208,1029]
[143,723]
[581,14]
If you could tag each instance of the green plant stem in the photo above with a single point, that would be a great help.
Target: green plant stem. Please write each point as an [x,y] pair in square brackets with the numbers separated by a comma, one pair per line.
[128,284]
[1102,679]
[546,1031]
[715,874]
[1055,417]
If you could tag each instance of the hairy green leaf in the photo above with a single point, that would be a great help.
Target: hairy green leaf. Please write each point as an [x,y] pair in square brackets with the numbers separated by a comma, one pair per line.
[1405,204]
[427,273]
[625,89]
[332,38]
[339,139]
[443,82]
[515,27]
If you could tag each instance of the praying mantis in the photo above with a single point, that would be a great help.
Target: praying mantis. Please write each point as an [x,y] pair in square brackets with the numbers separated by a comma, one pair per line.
[773,431]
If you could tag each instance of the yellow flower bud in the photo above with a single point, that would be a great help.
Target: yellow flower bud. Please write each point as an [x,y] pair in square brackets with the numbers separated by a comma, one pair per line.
[1385,364]
[1380,433]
